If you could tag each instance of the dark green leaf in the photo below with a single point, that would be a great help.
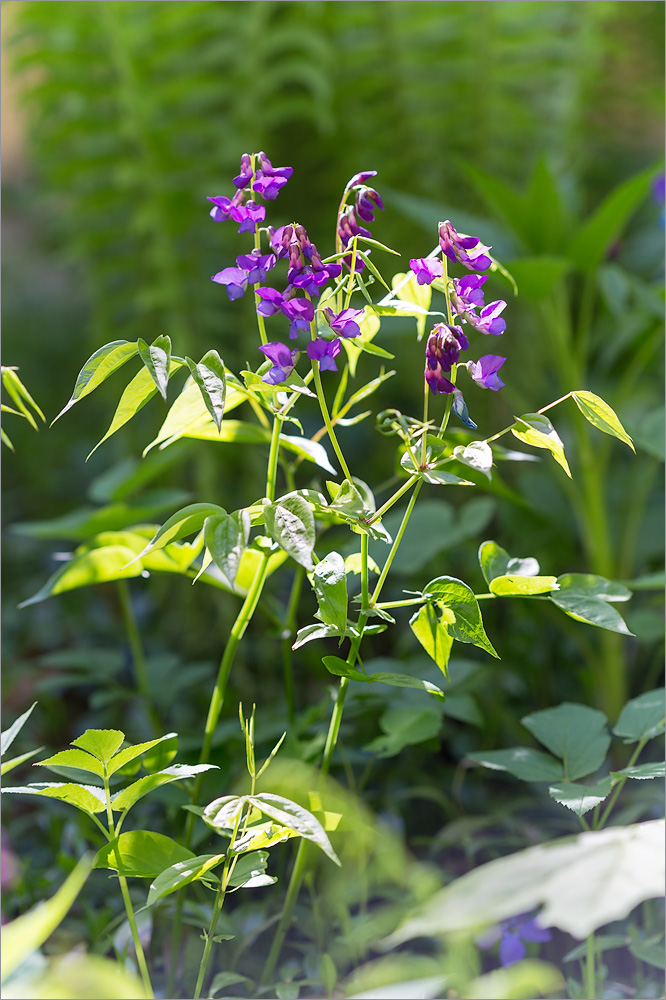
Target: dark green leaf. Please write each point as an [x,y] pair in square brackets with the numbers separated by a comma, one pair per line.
[642,771]
[181,874]
[590,585]
[581,798]
[592,611]
[521,762]
[404,725]
[457,597]
[140,854]
[575,733]
[642,718]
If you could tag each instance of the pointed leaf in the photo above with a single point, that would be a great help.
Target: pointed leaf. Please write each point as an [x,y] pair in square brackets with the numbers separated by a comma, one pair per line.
[140,854]
[101,743]
[592,611]
[538,431]
[522,586]
[87,798]
[312,451]
[131,753]
[329,583]
[493,560]
[296,817]
[226,537]
[98,367]
[521,762]
[642,771]
[642,718]
[575,733]
[290,522]
[311,632]
[477,455]
[9,735]
[157,359]
[457,597]
[184,522]
[126,799]
[431,625]
[188,412]
[249,870]
[601,415]
[181,874]
[581,798]
[591,585]
[210,376]
[74,758]
[9,765]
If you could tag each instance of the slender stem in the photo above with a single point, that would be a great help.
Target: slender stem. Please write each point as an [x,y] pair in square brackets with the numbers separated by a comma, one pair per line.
[288,626]
[327,420]
[426,400]
[364,570]
[393,500]
[271,474]
[620,785]
[396,543]
[352,272]
[590,970]
[137,650]
[447,294]
[203,967]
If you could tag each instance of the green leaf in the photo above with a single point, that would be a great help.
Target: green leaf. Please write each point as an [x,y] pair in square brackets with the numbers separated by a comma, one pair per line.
[181,874]
[9,765]
[188,414]
[642,718]
[430,625]
[457,597]
[522,586]
[176,772]
[9,735]
[140,390]
[98,367]
[496,561]
[651,952]
[87,798]
[340,668]
[29,931]
[590,585]
[249,870]
[74,758]
[224,979]
[575,733]
[590,244]
[642,771]
[226,537]
[290,522]
[600,415]
[536,430]
[184,522]
[521,762]
[404,725]
[312,451]
[582,883]
[157,359]
[311,632]
[581,798]
[296,817]
[477,455]
[101,743]
[124,756]
[592,611]
[211,378]
[329,583]
[140,854]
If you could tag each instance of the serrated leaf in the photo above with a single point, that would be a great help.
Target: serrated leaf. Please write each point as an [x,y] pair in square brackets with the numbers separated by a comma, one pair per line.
[181,874]
[575,733]
[128,754]
[226,537]
[477,455]
[522,586]
[581,798]
[601,415]
[9,735]
[101,743]
[537,430]
[290,522]
[458,598]
[642,718]
[98,367]
[641,772]
[129,796]
[87,798]
[296,817]
[157,359]
[591,585]
[211,379]
[592,611]
[74,758]
[329,583]
[430,625]
[140,854]
[522,762]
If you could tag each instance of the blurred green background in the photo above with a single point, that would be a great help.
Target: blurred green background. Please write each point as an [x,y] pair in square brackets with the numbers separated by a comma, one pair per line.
[122,117]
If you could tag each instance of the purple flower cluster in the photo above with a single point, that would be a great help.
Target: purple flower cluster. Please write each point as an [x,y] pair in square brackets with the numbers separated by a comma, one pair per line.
[366,202]
[466,250]
[265,181]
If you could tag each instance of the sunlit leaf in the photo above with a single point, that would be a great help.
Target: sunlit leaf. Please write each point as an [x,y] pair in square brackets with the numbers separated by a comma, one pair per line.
[290,522]
[601,415]
[581,798]
[522,586]
[157,359]
[455,596]
[211,379]
[329,583]
[430,625]
[98,367]
[140,854]
[537,430]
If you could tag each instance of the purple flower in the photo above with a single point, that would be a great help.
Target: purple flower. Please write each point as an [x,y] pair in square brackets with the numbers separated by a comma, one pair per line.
[512,934]
[467,293]
[256,264]
[361,178]
[310,280]
[467,250]
[300,313]
[346,323]
[235,278]
[367,200]
[268,170]
[283,362]
[268,187]
[249,215]
[484,371]
[245,175]
[489,319]
[426,269]
[442,352]
[280,240]
[271,301]
[348,227]
[324,351]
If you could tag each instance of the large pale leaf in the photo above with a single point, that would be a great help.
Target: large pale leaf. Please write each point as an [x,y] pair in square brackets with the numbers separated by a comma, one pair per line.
[98,367]
[642,718]
[290,522]
[141,854]
[577,734]
[456,596]
[582,883]
[477,455]
[538,431]
[601,415]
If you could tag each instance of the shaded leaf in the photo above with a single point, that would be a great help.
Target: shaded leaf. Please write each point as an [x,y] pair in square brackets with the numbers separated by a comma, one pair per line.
[592,611]
[226,537]
[181,874]
[581,798]
[575,733]
[642,718]
[329,583]
[591,585]
[521,762]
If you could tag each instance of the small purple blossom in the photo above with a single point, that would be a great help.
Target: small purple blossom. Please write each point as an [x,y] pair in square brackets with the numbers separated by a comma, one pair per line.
[346,323]
[271,301]
[367,202]
[283,360]
[324,351]
[256,264]
[361,178]
[484,371]
[235,279]
[467,293]
[442,352]
[300,313]
[245,175]
[512,934]
[280,240]
[489,320]
[426,269]
[467,250]
[249,215]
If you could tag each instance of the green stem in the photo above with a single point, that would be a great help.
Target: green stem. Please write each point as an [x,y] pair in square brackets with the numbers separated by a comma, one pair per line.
[590,970]
[352,272]
[327,420]
[426,400]
[288,627]
[620,785]
[203,967]
[393,500]
[137,650]
[271,474]
[396,543]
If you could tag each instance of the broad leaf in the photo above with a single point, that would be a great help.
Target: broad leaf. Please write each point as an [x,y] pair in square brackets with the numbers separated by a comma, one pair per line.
[124,756]
[521,762]
[329,583]
[477,455]
[157,359]
[211,379]
[140,854]
[184,522]
[290,522]
[582,883]
[457,597]
[181,874]
[126,799]
[592,611]
[575,733]
[98,367]
[642,771]
[581,798]
[101,743]
[601,415]
[642,718]
[226,537]
[496,561]
[87,798]
[431,625]
[249,871]
[313,451]
[590,585]
[189,412]
[537,430]
[74,758]
[405,725]
[296,817]
[522,586]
